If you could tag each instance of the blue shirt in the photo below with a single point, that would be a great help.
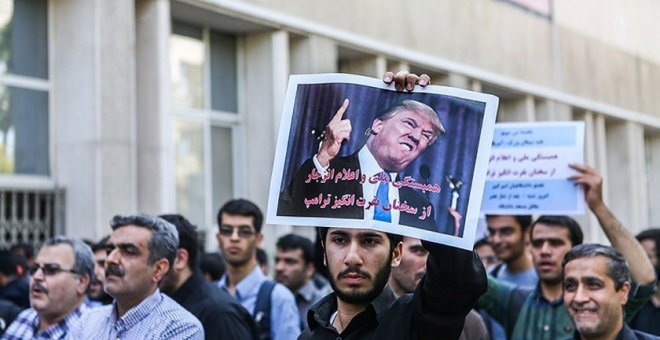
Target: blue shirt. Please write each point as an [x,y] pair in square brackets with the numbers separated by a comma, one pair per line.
[156,317]
[27,323]
[284,318]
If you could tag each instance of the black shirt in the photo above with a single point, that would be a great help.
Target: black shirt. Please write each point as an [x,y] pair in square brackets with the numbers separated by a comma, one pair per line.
[221,316]
[454,281]
[647,319]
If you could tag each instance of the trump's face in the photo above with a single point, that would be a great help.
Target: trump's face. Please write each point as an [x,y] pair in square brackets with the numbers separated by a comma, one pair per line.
[397,141]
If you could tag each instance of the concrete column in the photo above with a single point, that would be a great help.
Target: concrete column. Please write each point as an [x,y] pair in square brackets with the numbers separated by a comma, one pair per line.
[549,110]
[517,109]
[475,85]
[627,174]
[374,66]
[653,173]
[155,172]
[266,73]
[93,111]
[459,80]
[313,55]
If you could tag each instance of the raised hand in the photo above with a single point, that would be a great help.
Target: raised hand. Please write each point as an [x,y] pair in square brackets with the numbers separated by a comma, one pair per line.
[337,132]
[405,79]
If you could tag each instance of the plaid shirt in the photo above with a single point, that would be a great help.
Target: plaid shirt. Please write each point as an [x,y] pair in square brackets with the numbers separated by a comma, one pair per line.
[156,317]
[26,326]
[526,314]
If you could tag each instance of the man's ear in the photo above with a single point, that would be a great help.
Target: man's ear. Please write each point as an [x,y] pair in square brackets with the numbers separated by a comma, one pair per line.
[376,126]
[623,293]
[83,284]
[310,270]
[396,255]
[260,238]
[161,267]
[181,260]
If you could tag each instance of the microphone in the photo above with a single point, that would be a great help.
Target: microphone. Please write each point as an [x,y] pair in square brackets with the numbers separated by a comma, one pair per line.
[425,172]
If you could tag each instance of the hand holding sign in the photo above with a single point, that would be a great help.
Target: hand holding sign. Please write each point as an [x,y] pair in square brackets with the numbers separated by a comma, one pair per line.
[592,183]
[337,132]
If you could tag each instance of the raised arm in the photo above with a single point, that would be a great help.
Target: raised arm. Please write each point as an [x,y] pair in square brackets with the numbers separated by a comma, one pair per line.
[455,278]
[622,240]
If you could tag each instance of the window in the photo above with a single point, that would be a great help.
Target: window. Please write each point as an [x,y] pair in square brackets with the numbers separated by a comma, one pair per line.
[24,134]
[206,120]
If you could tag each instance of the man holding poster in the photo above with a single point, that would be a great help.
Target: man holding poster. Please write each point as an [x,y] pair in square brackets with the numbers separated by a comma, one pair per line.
[395,138]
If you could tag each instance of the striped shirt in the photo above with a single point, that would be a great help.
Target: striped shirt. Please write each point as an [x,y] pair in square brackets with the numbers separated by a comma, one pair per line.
[26,326]
[156,317]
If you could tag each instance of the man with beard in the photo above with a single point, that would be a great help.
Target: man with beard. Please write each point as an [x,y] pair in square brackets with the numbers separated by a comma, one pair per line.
[59,279]
[221,316]
[140,251]
[239,234]
[596,287]
[539,313]
[359,263]
[98,296]
[647,318]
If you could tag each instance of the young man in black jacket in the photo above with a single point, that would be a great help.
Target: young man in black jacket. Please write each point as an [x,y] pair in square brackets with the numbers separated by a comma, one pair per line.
[363,307]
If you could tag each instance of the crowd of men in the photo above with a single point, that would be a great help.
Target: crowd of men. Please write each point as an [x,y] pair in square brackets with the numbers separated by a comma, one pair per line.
[149,279]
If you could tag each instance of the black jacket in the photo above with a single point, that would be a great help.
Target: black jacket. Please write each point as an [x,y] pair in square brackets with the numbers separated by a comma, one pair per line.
[627,334]
[436,310]
[221,316]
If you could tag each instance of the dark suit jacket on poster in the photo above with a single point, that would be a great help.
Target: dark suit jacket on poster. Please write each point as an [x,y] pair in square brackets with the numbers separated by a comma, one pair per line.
[292,199]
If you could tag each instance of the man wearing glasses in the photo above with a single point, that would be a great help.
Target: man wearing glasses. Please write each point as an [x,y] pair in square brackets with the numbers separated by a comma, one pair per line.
[59,279]
[239,235]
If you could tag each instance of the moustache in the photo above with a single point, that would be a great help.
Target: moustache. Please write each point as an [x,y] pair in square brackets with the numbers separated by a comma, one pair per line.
[114,270]
[37,286]
[353,270]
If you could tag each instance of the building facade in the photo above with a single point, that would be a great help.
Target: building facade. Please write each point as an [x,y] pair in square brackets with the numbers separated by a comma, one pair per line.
[122,106]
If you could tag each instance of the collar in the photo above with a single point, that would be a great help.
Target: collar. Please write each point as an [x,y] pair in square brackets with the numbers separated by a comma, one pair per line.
[537,294]
[308,291]
[624,333]
[188,288]
[58,330]
[247,287]
[368,164]
[136,314]
[319,314]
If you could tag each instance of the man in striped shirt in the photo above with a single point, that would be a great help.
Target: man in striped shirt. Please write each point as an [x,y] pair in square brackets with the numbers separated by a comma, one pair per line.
[60,276]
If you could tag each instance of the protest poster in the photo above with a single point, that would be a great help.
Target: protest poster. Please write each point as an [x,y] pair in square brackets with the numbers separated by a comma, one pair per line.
[413,163]
[528,169]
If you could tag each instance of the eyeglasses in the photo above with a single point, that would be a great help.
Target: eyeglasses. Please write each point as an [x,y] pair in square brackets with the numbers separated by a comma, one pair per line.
[49,269]
[242,232]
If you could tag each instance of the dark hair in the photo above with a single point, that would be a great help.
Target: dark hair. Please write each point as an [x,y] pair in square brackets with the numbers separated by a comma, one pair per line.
[164,241]
[262,257]
[242,207]
[100,245]
[26,249]
[187,237]
[574,230]
[293,242]
[7,263]
[525,221]
[650,234]
[212,264]
[481,242]
[617,267]
[394,238]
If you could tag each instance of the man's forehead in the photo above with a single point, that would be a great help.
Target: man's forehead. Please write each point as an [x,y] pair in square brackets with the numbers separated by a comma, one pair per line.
[591,267]
[501,221]
[237,220]
[293,252]
[130,234]
[550,231]
[56,253]
[356,232]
